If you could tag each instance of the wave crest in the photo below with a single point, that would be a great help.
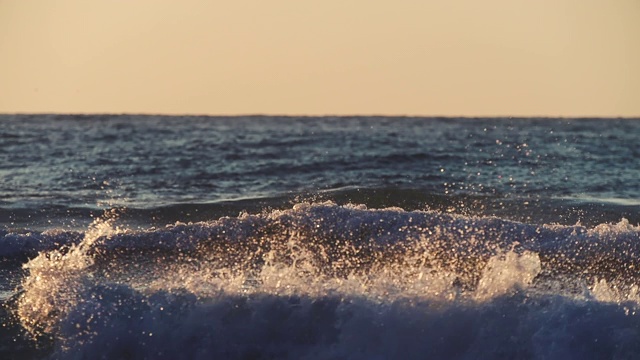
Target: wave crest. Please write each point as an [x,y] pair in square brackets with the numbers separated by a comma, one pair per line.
[327,280]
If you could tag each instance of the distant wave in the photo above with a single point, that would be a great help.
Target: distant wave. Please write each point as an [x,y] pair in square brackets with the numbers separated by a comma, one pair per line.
[587,211]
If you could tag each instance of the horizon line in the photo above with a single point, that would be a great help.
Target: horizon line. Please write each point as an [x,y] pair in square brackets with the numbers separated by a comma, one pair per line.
[328,115]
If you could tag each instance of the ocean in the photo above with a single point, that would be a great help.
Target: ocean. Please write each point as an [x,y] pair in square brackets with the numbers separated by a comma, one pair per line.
[264,237]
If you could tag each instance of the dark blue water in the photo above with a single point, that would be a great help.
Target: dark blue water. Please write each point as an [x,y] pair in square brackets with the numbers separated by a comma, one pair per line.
[346,237]
[57,165]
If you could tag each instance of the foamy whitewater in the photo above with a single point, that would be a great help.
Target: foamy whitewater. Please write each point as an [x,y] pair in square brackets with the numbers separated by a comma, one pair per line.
[146,237]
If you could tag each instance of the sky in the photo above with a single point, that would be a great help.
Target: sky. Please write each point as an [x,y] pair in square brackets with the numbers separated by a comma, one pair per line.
[329,57]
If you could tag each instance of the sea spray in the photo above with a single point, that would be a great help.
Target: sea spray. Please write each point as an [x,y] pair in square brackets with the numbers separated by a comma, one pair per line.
[321,280]
[507,272]
[56,278]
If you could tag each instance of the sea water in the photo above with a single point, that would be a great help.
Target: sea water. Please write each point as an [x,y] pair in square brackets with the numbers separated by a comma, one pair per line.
[152,237]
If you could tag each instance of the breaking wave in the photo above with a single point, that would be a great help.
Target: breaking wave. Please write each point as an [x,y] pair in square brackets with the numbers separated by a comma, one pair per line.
[320,281]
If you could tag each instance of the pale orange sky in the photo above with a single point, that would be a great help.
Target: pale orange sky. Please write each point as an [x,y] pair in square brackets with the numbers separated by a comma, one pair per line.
[401,57]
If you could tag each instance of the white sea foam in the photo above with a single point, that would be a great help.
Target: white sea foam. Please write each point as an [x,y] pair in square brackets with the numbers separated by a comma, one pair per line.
[324,281]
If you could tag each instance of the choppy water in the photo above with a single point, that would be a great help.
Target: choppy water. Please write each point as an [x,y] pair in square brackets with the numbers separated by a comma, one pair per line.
[319,238]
